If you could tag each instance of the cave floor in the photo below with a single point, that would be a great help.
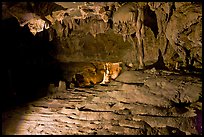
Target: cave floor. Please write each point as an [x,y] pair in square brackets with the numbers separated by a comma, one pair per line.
[150,103]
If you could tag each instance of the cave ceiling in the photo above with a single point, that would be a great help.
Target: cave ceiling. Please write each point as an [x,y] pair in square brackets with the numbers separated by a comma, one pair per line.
[42,15]
[172,27]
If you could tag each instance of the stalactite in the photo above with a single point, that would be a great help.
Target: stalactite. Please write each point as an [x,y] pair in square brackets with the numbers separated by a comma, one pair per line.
[98,26]
[68,25]
[132,14]
[36,25]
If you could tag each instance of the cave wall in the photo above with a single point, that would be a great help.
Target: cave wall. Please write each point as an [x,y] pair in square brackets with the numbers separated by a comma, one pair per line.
[38,37]
[104,47]
[100,31]
[179,33]
[179,27]
[186,37]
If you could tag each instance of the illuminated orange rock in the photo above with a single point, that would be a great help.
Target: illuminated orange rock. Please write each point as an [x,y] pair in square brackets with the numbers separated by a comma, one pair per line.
[98,72]
[112,70]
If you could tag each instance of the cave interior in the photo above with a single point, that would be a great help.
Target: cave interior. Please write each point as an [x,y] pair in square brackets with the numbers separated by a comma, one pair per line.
[70,44]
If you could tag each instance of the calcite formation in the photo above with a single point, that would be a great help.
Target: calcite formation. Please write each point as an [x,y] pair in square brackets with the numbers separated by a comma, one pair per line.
[112,70]
[79,62]
[134,21]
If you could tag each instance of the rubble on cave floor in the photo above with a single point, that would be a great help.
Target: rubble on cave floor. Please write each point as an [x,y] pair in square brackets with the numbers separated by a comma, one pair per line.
[137,103]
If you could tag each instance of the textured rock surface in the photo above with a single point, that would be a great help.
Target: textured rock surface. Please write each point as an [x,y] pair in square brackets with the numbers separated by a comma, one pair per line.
[119,108]
[48,42]
[186,37]
[75,29]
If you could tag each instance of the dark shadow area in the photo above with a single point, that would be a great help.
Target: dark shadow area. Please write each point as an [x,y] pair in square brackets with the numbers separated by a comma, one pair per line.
[29,66]
[150,20]
[160,65]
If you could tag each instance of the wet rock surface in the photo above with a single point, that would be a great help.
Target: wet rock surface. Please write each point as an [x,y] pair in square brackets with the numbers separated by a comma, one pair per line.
[136,103]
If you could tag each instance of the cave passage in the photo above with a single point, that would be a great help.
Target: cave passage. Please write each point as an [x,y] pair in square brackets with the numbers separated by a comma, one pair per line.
[73,68]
